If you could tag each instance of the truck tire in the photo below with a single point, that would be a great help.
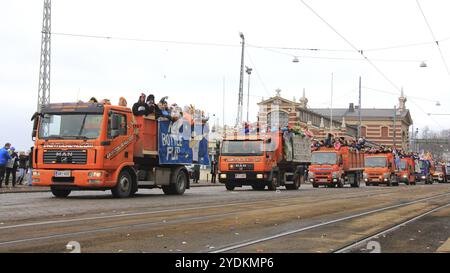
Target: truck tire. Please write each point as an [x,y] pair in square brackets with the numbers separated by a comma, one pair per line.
[356,181]
[178,183]
[315,185]
[60,193]
[296,185]
[229,186]
[124,187]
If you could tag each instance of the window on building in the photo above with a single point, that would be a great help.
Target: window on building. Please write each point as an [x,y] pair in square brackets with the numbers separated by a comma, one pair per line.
[384,131]
[363,131]
[278,119]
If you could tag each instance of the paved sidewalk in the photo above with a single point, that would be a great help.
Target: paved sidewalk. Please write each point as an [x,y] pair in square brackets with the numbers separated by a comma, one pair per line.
[26,188]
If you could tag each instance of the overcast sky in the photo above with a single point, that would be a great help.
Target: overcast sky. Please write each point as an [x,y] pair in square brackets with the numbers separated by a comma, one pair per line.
[195,74]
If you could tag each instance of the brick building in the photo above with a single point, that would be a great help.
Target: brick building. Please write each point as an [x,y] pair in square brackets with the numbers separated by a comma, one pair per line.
[377,125]
[281,112]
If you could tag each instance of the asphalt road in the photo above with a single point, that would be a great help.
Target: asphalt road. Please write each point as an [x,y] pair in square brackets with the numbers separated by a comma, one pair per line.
[212,219]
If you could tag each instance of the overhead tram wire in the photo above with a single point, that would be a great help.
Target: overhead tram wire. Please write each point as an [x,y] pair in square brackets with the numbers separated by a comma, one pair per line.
[337,58]
[434,37]
[353,46]
[412,99]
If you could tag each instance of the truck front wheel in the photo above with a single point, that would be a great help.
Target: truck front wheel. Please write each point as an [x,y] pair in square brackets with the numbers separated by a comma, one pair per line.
[296,185]
[229,186]
[60,193]
[124,187]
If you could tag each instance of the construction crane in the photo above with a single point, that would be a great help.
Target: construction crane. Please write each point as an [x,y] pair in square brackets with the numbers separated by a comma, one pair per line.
[44,68]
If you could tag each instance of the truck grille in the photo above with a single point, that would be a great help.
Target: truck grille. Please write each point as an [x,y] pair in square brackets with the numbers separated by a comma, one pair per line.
[78,157]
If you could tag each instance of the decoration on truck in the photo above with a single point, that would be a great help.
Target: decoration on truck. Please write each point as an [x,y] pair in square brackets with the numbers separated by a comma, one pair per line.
[120,148]
[179,142]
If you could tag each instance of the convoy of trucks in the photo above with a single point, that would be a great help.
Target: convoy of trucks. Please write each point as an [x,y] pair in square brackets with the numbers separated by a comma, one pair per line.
[92,146]
[332,167]
[264,160]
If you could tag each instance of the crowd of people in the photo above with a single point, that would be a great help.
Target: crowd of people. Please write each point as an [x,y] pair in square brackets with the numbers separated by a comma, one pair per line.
[337,142]
[10,162]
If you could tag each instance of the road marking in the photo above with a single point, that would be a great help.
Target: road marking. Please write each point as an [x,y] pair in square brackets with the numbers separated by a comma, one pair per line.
[248,243]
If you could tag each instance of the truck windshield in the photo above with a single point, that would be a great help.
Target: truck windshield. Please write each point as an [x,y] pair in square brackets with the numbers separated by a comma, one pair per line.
[242,147]
[70,126]
[375,162]
[323,158]
[403,165]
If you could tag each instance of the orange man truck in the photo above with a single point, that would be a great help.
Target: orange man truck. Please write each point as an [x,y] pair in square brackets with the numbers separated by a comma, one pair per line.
[272,160]
[406,171]
[332,167]
[380,169]
[90,146]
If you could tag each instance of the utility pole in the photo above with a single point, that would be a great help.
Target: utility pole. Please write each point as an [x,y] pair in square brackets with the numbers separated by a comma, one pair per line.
[241,84]
[359,109]
[248,70]
[44,68]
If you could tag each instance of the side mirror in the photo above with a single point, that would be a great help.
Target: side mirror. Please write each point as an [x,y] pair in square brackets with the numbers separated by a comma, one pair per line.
[35,125]
[390,165]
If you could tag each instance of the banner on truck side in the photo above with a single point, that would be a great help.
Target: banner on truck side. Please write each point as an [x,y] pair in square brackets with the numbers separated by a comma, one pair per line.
[181,142]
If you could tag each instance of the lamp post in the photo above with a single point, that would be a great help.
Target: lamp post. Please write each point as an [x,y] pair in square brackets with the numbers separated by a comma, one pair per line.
[248,70]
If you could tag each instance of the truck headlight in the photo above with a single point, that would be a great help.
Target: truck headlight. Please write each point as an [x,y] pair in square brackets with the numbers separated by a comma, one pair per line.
[223,175]
[423,177]
[259,176]
[36,173]
[311,175]
[95,174]
[405,176]
[365,176]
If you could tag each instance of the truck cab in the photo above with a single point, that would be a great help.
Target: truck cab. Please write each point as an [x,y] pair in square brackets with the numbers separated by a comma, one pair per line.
[379,169]
[336,167]
[92,146]
[258,161]
[440,173]
[425,172]
[405,172]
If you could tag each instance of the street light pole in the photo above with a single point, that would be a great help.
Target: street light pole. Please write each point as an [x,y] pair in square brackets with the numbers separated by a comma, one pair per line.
[248,70]
[241,83]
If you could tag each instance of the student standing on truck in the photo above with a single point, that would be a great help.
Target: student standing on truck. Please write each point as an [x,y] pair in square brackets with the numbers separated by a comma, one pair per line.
[141,108]
[4,158]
